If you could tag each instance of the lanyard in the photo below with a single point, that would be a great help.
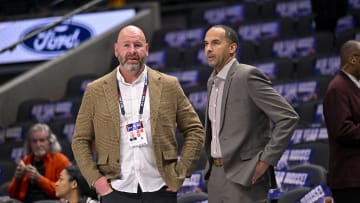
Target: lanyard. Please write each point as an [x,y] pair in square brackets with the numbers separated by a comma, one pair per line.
[142,102]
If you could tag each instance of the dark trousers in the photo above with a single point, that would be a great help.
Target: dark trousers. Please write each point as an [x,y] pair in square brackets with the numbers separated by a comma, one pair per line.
[346,195]
[160,196]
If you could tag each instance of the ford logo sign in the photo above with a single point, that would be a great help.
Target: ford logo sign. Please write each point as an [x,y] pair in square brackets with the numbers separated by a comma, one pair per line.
[58,39]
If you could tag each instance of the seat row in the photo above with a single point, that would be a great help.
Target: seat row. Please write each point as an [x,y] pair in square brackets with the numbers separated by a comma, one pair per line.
[176,56]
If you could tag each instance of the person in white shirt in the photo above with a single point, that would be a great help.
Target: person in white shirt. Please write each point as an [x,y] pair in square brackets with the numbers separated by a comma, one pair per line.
[132,114]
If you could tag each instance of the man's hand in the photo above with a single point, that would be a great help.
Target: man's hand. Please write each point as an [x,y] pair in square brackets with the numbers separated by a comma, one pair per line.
[102,186]
[20,170]
[260,169]
[171,189]
[33,173]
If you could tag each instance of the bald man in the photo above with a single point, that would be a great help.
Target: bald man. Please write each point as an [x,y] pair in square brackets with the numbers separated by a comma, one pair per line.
[132,114]
[342,118]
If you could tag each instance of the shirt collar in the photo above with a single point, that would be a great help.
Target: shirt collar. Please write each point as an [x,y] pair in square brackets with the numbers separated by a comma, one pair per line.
[224,71]
[122,79]
[357,83]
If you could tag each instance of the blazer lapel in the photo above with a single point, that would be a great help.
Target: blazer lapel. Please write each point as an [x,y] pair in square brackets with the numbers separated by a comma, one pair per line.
[112,100]
[226,92]
[155,88]
[209,87]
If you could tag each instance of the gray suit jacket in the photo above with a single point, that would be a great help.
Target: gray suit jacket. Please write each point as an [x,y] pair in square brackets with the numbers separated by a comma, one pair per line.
[99,120]
[256,123]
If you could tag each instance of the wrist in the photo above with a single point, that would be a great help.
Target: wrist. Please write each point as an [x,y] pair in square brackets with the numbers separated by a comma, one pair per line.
[102,186]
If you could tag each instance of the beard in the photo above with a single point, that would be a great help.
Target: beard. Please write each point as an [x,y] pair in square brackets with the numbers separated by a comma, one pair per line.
[212,65]
[131,67]
[39,152]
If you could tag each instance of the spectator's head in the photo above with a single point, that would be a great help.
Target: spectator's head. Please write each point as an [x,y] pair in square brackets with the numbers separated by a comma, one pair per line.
[350,58]
[220,45]
[72,186]
[40,140]
[131,48]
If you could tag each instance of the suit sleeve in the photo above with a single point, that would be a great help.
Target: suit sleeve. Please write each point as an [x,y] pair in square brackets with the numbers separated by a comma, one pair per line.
[83,137]
[279,111]
[17,188]
[13,188]
[191,127]
[340,119]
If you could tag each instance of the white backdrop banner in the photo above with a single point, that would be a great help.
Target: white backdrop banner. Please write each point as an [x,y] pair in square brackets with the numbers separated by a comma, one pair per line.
[51,43]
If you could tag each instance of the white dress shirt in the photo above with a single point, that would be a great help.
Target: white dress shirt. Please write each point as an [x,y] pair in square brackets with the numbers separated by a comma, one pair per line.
[215,101]
[138,165]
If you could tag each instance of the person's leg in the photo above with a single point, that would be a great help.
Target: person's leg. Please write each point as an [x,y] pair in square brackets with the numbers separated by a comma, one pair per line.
[116,196]
[160,196]
[222,190]
[216,185]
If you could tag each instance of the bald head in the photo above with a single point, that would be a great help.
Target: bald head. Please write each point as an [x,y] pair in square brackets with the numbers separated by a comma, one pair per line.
[348,50]
[132,30]
[131,50]
[350,58]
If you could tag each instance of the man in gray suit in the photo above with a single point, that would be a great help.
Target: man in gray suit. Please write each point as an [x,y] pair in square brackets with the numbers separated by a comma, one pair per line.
[248,124]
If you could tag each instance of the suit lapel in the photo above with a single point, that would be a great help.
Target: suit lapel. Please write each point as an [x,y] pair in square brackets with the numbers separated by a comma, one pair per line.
[112,100]
[155,88]
[209,87]
[226,92]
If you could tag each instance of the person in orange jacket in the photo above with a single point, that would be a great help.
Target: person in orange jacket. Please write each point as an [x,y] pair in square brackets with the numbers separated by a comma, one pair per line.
[36,174]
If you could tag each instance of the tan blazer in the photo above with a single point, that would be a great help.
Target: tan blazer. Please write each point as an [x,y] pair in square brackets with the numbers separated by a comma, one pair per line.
[99,119]
[246,136]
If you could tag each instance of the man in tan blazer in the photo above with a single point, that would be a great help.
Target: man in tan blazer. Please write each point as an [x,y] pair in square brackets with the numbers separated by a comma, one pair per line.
[131,116]
[248,124]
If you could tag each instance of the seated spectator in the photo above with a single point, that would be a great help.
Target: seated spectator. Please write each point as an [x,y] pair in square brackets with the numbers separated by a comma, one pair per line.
[73,187]
[37,172]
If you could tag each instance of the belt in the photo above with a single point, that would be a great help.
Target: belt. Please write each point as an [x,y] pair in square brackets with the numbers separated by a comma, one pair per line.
[218,162]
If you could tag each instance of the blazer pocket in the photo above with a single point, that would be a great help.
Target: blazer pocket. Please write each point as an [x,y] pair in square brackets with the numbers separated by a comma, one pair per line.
[249,154]
[244,171]
[102,163]
[169,155]
[173,166]
[170,161]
